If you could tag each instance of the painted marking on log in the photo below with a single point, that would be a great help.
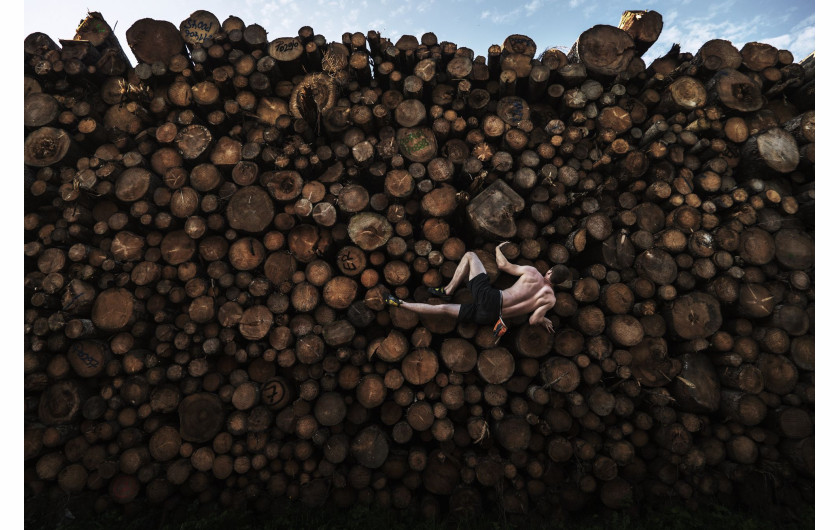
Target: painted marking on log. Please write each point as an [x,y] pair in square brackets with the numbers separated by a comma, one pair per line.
[414,141]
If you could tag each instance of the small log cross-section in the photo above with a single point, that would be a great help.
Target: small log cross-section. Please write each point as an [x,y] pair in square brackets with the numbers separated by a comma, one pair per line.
[201,417]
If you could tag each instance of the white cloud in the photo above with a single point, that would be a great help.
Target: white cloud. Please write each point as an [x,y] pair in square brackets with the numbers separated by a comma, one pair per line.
[501,18]
[692,33]
[533,6]
[574,3]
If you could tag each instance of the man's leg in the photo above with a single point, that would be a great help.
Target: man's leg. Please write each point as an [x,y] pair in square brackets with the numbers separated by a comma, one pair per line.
[468,268]
[450,310]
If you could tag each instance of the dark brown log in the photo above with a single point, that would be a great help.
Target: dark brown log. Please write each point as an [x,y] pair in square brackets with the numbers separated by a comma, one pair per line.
[774,150]
[201,417]
[758,56]
[718,54]
[60,403]
[697,388]
[46,146]
[154,40]
[250,209]
[780,374]
[370,447]
[39,109]
[735,90]
[560,374]
[420,366]
[695,316]
[604,50]
[643,26]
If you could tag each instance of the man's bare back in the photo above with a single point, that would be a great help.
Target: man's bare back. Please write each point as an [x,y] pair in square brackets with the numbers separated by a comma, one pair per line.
[529,292]
[532,293]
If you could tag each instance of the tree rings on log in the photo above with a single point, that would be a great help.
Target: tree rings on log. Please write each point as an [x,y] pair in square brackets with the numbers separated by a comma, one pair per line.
[604,50]
[199,27]
[113,309]
[513,433]
[533,341]
[794,249]
[657,265]
[496,365]
[165,444]
[774,149]
[520,44]
[697,388]
[459,355]
[560,374]
[369,231]
[735,90]
[60,403]
[133,184]
[417,144]
[719,54]
[201,417]
[250,209]
[193,140]
[45,146]
[154,40]
[513,110]
[420,366]
[39,109]
[695,316]
[651,364]
[313,96]
[284,186]
[643,27]
[370,447]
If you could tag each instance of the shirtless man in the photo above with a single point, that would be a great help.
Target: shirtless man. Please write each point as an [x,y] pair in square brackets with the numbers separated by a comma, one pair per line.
[532,293]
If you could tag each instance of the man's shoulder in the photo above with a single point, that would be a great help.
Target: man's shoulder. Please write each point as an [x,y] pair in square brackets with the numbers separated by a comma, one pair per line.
[532,271]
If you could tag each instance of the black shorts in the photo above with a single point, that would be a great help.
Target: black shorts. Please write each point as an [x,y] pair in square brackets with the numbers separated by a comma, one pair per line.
[486,305]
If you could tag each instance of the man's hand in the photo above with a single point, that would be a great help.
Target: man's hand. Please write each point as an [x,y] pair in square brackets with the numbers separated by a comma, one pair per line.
[546,323]
[500,245]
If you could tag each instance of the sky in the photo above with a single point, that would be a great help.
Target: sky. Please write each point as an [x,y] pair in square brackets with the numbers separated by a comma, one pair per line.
[475,24]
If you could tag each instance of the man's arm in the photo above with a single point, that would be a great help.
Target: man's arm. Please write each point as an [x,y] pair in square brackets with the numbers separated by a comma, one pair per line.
[538,317]
[505,265]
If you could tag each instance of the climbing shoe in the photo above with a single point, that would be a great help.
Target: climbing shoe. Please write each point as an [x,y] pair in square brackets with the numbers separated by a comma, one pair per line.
[439,292]
[393,301]
[499,329]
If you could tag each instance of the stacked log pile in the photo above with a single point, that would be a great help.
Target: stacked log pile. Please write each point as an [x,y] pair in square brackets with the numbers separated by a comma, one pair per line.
[210,235]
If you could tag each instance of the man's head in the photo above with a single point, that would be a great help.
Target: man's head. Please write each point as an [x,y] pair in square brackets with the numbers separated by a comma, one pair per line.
[557,274]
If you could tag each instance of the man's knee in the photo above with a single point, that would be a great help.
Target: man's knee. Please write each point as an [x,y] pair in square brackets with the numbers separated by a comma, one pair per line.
[476,267]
